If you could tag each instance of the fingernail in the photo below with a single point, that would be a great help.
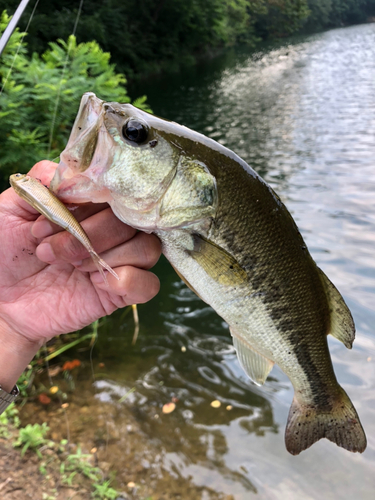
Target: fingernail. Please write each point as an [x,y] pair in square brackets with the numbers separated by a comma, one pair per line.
[77,263]
[41,229]
[45,253]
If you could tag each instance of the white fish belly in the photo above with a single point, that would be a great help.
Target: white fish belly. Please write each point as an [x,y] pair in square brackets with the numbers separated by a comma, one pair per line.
[241,307]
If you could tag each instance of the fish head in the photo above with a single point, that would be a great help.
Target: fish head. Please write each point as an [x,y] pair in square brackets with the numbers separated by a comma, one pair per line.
[20,182]
[118,154]
[17,178]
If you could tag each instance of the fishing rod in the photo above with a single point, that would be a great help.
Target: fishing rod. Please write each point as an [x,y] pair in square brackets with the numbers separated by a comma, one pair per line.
[12,25]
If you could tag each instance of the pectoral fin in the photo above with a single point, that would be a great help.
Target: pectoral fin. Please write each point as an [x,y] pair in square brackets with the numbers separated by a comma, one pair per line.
[255,365]
[342,324]
[218,264]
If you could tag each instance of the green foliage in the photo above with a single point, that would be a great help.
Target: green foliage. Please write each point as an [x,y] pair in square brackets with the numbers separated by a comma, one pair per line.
[104,491]
[32,436]
[148,36]
[79,463]
[41,95]
[347,11]
[282,17]
[319,13]
[331,13]
[9,418]
[26,379]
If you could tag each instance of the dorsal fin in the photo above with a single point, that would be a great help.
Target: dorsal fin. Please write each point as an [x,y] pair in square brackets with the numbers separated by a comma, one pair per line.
[255,365]
[342,324]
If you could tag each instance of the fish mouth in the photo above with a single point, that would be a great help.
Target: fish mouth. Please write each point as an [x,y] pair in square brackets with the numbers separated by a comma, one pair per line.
[77,176]
[80,189]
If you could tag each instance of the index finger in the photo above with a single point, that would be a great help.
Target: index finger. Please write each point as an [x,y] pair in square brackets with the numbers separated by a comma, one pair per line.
[43,227]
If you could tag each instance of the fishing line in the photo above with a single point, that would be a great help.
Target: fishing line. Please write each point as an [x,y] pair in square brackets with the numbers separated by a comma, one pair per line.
[52,129]
[67,425]
[91,360]
[19,47]
[47,364]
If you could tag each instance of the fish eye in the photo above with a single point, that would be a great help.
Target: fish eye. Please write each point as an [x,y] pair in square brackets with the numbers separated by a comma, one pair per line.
[135,131]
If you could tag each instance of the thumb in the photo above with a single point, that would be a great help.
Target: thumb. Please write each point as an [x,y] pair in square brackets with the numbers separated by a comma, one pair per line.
[44,171]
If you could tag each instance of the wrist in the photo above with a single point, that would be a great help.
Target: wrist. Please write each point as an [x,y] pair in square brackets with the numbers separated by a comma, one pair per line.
[16,352]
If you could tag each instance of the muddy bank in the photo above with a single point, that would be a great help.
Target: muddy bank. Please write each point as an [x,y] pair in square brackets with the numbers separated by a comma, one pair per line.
[125,454]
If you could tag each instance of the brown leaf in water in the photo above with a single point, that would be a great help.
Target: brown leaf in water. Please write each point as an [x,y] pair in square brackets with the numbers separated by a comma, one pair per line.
[216,403]
[169,407]
[69,365]
[44,399]
[54,370]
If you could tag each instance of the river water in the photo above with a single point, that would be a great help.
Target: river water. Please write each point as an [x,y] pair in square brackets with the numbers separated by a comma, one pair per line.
[302,114]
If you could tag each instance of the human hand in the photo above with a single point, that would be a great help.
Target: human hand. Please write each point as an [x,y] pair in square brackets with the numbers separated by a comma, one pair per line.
[45,290]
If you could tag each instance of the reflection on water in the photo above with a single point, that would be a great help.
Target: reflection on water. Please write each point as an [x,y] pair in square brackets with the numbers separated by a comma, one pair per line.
[303,115]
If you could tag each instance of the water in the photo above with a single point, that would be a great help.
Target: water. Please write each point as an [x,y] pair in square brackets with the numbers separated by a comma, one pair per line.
[303,115]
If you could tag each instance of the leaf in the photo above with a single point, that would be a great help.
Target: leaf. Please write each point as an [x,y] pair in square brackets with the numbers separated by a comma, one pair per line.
[169,407]
[44,399]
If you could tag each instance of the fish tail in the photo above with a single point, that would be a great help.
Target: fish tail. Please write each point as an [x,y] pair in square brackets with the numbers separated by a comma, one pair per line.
[100,264]
[307,424]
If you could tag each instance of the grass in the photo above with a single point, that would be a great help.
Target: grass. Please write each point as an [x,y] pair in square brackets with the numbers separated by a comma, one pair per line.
[7,419]
[71,467]
[32,436]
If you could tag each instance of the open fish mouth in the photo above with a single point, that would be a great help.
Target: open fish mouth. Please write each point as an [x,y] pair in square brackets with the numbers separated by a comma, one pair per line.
[75,179]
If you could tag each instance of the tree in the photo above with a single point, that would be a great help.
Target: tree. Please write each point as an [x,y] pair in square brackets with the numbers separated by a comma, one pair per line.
[319,17]
[282,17]
[146,37]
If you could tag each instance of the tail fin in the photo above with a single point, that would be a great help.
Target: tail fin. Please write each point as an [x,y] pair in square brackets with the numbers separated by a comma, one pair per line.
[308,424]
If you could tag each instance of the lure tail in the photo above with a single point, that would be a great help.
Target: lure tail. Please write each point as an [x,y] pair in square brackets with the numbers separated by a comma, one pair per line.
[100,264]
[340,424]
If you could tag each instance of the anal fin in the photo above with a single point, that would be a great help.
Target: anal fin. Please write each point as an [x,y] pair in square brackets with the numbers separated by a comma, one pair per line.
[254,364]
[342,324]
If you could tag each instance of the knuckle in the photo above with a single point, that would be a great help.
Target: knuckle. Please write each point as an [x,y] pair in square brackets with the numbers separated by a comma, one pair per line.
[69,248]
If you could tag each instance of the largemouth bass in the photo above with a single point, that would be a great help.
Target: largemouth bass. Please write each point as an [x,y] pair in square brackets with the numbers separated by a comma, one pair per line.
[43,200]
[233,242]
